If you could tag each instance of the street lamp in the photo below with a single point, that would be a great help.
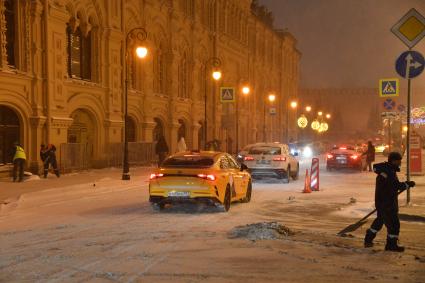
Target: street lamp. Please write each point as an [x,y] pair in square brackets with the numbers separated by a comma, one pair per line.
[245,90]
[328,116]
[308,108]
[215,63]
[135,35]
[271,98]
[320,113]
[293,105]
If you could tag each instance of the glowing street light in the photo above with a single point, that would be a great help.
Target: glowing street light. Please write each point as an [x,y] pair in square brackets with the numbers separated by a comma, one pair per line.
[320,113]
[405,128]
[141,52]
[328,116]
[308,108]
[272,97]
[246,90]
[216,75]
[294,104]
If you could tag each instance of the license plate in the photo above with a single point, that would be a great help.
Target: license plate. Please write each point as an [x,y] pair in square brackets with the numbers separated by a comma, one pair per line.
[342,161]
[340,158]
[263,161]
[179,194]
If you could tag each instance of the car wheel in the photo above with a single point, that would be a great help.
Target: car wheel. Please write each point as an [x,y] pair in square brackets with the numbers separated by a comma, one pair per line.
[227,200]
[158,206]
[297,173]
[287,178]
[247,197]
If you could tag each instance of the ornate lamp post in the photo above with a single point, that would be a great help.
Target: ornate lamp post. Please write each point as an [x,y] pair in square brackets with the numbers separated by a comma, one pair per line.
[293,105]
[216,74]
[271,97]
[135,35]
[245,90]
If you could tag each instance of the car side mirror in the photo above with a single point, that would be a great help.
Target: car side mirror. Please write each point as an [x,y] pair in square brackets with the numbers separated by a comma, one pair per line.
[243,167]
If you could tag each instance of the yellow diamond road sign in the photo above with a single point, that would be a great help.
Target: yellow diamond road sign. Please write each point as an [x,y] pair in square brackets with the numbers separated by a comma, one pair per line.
[410,28]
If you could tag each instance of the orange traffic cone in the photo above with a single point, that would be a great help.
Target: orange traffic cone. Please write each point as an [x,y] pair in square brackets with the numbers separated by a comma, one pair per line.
[307,188]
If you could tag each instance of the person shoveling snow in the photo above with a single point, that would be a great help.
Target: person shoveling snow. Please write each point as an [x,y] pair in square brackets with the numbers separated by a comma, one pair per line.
[387,189]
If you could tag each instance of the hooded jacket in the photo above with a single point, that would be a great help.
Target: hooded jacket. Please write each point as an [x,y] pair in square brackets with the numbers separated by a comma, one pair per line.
[387,186]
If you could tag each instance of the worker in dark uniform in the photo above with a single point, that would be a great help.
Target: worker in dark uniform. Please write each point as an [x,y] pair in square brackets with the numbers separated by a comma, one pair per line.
[386,202]
[48,156]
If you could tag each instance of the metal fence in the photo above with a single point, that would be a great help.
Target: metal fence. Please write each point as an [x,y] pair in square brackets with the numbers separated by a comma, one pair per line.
[74,157]
[77,156]
[139,153]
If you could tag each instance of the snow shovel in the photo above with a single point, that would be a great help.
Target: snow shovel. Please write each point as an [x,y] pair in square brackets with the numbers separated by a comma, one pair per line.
[358,224]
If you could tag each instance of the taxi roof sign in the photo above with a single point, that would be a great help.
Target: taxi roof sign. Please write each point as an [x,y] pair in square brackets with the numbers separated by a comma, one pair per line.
[389,87]
[410,28]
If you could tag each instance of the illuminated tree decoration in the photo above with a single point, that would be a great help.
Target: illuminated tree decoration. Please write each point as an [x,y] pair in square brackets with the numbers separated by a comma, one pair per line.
[324,127]
[302,121]
[315,125]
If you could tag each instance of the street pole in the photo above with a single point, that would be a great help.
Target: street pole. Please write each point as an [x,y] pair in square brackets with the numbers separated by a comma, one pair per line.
[215,63]
[264,124]
[237,122]
[287,122]
[138,34]
[408,137]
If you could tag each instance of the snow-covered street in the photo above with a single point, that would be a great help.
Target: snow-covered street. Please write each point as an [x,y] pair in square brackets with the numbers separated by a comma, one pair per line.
[95,227]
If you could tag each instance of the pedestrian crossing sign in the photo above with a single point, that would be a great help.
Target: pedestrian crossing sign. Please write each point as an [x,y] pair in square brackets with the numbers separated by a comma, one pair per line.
[227,94]
[389,87]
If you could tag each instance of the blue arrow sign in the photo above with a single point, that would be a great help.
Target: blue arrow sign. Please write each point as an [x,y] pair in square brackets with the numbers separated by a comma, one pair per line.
[410,64]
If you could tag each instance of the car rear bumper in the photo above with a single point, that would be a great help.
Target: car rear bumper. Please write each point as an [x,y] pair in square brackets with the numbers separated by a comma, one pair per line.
[267,173]
[333,164]
[173,200]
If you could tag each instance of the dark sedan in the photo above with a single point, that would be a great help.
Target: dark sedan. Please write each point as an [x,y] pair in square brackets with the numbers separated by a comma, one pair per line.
[345,157]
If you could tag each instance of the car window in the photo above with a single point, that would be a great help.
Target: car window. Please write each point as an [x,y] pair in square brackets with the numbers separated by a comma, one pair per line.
[232,163]
[224,163]
[269,150]
[192,161]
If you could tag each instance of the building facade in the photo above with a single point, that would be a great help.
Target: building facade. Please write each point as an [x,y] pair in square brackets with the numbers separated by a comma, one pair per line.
[62,74]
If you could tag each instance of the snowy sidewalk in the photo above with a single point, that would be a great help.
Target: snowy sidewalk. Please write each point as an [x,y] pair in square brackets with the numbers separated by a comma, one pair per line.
[10,190]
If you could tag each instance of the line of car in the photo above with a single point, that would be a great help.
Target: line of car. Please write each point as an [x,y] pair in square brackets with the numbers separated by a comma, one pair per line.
[216,178]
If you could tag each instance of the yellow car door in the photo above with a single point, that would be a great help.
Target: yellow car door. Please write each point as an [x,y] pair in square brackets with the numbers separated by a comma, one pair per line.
[239,177]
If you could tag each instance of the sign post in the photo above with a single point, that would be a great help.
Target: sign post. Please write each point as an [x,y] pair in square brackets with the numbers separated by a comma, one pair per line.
[410,29]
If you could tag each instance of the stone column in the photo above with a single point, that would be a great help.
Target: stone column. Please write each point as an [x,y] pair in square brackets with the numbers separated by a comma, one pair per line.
[147,129]
[195,131]
[172,140]
[36,131]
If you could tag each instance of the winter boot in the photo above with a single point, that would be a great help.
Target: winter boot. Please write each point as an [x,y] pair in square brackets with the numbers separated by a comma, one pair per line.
[393,246]
[57,173]
[368,239]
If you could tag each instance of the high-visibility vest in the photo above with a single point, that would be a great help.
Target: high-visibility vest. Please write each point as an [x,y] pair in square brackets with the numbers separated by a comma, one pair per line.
[20,153]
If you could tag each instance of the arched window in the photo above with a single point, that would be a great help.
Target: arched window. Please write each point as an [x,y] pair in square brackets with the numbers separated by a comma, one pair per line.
[158,131]
[79,53]
[182,130]
[9,15]
[131,130]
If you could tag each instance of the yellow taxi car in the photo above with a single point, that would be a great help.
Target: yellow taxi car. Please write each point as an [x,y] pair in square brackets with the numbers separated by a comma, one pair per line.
[206,176]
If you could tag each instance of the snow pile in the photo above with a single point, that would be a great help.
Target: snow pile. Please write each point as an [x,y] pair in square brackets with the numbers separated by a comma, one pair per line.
[261,231]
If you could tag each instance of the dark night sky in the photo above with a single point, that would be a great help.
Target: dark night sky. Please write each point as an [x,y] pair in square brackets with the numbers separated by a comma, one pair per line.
[346,43]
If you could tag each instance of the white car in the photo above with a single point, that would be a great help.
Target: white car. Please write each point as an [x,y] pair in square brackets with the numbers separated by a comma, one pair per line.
[271,160]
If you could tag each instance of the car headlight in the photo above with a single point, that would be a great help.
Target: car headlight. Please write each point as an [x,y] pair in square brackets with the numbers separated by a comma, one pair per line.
[307,151]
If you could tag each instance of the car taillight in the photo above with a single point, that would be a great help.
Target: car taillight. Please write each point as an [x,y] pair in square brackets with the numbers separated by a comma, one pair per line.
[330,156]
[207,177]
[248,158]
[154,176]
[354,156]
[279,159]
